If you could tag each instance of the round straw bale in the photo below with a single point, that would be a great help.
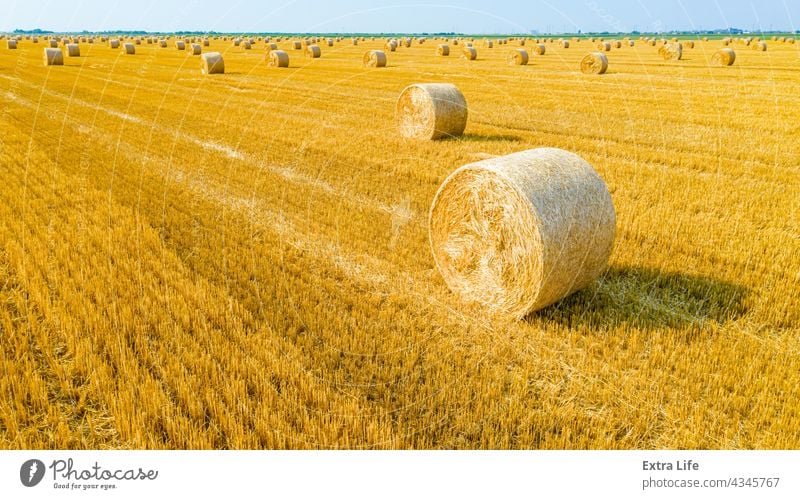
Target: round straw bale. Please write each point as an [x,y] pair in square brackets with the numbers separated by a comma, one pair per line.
[313,51]
[271,46]
[470,53]
[565,44]
[671,51]
[247,45]
[594,63]
[297,45]
[391,45]
[651,42]
[631,43]
[518,57]
[180,45]
[138,41]
[723,57]
[129,48]
[617,44]
[237,42]
[35,39]
[53,57]
[53,44]
[195,49]
[604,46]
[212,63]
[519,232]
[375,59]
[162,43]
[488,44]
[443,49]
[278,59]
[689,44]
[760,46]
[431,111]
[330,42]
[726,41]
[206,43]
[539,49]
[114,44]
[354,41]
[73,50]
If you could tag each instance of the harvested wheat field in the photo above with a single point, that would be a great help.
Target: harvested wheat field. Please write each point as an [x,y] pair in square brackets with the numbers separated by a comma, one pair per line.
[243,260]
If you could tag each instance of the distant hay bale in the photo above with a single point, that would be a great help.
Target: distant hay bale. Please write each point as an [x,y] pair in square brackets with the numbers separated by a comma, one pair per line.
[617,44]
[689,44]
[518,57]
[604,46]
[565,44]
[651,42]
[53,44]
[375,59]
[522,42]
[431,111]
[723,57]
[297,45]
[278,59]
[73,50]
[391,45]
[11,44]
[631,43]
[671,51]
[330,42]
[35,39]
[470,53]
[760,46]
[517,233]
[129,48]
[206,43]
[247,45]
[138,41]
[212,63]
[488,44]
[162,43]
[180,45]
[53,57]
[539,48]
[443,49]
[313,51]
[407,42]
[195,49]
[594,63]
[726,41]
[354,41]
[271,46]
[237,42]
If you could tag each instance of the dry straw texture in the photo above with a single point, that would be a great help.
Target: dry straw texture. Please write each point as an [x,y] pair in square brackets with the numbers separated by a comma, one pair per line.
[114,44]
[53,57]
[672,51]
[278,59]
[723,57]
[247,45]
[12,44]
[53,43]
[565,44]
[297,45]
[470,53]
[129,48]
[431,111]
[519,232]
[594,63]
[539,49]
[313,51]
[271,46]
[212,63]
[195,49]
[375,59]
[488,44]
[604,46]
[73,50]
[518,57]
[391,45]
[162,43]
[443,49]
[180,45]
[760,46]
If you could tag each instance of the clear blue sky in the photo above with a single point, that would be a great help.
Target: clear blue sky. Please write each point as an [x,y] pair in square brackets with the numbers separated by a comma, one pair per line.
[469,16]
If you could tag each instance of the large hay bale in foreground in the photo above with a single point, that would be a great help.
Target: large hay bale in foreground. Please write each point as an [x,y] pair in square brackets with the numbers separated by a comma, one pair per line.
[278,59]
[431,111]
[723,57]
[470,53]
[518,57]
[375,59]
[443,49]
[195,49]
[671,51]
[129,48]
[73,50]
[180,45]
[212,63]
[53,57]
[594,63]
[539,48]
[519,232]
[313,51]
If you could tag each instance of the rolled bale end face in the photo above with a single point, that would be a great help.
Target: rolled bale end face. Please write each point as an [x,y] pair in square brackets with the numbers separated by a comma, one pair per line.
[129,49]
[53,57]
[517,233]
[297,45]
[391,46]
[162,43]
[195,49]
[443,50]
[565,44]
[114,44]
[760,46]
[278,59]
[375,59]
[11,44]
[180,45]
[594,63]
[247,45]
[604,46]
[430,111]
[539,49]
[470,53]
[518,57]
[212,63]
[723,57]
[53,44]
[313,52]
[73,50]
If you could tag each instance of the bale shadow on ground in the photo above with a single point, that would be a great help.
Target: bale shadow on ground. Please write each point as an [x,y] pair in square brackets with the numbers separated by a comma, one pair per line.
[648,299]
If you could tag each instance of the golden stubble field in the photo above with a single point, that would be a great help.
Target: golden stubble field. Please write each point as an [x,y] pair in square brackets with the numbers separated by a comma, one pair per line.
[242,260]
